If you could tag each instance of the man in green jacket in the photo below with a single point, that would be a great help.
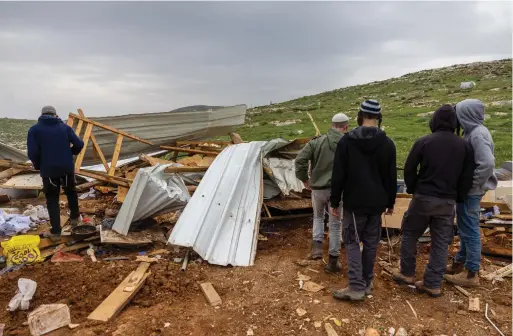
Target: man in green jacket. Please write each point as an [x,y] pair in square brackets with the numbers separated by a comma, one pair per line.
[319,153]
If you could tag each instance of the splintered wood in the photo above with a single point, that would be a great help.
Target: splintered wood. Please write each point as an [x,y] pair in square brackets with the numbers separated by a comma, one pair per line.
[210,294]
[473,304]
[122,295]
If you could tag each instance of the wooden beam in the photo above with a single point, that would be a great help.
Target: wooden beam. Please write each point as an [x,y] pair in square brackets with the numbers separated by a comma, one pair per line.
[10,172]
[120,297]
[11,164]
[289,217]
[104,174]
[188,150]
[115,155]
[88,185]
[111,129]
[210,294]
[80,156]
[96,147]
[70,122]
[177,170]
[199,143]
[153,160]
[236,139]
[317,132]
[108,179]
[79,128]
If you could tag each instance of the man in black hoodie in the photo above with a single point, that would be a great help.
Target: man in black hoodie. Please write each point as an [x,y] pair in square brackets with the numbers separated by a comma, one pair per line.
[445,176]
[365,171]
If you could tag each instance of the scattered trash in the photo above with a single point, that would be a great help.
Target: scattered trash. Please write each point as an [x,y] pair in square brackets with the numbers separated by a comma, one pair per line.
[317,324]
[2,327]
[302,277]
[413,310]
[329,330]
[25,292]
[300,311]
[486,315]
[167,325]
[473,304]
[391,331]
[10,225]
[73,326]
[61,256]
[369,296]
[47,318]
[346,321]
[23,249]
[90,252]
[147,259]
[336,321]
[316,301]
[401,332]
[107,223]
[250,332]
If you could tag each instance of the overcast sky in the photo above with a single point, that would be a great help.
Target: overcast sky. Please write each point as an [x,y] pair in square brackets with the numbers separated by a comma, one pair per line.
[117,58]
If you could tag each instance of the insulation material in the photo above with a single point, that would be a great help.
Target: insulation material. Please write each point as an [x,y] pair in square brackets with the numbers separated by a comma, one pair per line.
[284,175]
[153,192]
[221,220]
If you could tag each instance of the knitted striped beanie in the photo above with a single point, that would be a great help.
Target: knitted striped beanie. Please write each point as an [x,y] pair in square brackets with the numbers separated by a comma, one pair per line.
[370,106]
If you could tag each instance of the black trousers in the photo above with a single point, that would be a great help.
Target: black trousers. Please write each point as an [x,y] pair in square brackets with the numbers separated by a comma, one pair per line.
[360,265]
[52,189]
[437,214]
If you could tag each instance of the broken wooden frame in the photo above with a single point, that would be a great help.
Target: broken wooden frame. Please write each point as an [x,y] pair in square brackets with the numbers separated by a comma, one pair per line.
[88,124]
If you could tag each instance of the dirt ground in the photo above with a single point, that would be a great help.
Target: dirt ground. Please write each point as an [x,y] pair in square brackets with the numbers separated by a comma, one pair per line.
[259,300]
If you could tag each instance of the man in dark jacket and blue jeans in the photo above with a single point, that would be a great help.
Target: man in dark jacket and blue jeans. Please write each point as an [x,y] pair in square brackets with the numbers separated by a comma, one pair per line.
[445,176]
[364,170]
[48,147]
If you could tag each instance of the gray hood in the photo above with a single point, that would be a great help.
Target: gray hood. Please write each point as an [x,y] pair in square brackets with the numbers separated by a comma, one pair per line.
[470,113]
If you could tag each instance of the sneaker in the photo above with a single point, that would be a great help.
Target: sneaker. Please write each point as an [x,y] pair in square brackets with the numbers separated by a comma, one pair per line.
[463,279]
[368,289]
[400,278]
[433,292]
[333,266]
[455,267]
[349,294]
[316,250]
[54,237]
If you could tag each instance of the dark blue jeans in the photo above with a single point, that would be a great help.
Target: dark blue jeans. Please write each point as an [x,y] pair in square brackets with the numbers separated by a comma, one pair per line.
[467,218]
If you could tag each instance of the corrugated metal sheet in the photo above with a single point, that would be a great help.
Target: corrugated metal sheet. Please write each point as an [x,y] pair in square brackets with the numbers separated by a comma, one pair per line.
[152,192]
[10,153]
[163,128]
[222,218]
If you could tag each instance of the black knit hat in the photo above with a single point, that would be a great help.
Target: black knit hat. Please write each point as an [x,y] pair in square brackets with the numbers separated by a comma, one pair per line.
[370,106]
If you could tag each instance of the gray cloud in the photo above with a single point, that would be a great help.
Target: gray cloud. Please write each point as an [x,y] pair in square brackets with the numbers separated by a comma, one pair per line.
[115,58]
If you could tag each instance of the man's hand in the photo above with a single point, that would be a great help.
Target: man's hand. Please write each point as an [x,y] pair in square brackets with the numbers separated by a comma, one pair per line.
[307,184]
[389,212]
[334,212]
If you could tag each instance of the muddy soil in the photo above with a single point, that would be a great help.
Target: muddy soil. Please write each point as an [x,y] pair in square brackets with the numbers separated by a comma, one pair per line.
[262,299]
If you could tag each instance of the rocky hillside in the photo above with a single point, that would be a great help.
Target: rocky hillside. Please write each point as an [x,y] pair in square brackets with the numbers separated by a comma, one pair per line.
[407,102]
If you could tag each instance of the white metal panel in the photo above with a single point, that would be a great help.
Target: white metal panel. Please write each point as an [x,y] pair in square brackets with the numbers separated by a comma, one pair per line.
[222,218]
[152,192]
[284,174]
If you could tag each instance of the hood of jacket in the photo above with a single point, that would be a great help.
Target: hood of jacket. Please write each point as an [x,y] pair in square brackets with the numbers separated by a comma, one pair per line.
[333,138]
[444,119]
[49,120]
[470,113]
[366,139]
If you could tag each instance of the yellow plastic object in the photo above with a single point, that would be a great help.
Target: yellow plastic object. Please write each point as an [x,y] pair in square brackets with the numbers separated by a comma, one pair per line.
[22,249]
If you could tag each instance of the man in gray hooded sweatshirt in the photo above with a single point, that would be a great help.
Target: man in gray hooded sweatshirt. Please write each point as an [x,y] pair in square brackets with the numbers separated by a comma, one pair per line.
[465,267]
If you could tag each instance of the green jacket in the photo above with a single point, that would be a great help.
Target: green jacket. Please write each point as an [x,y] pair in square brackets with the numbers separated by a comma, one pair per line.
[320,151]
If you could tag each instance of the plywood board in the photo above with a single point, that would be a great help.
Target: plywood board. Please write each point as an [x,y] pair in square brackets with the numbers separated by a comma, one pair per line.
[395,221]
[210,294]
[119,298]
[286,204]
[25,181]
[133,238]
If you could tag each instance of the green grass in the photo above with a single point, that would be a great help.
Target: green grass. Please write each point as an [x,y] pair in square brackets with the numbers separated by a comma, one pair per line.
[402,100]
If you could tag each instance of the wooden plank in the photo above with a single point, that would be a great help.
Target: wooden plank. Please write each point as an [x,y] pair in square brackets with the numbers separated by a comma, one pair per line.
[236,138]
[497,251]
[502,272]
[462,291]
[177,170]
[133,238]
[51,251]
[199,143]
[210,294]
[503,207]
[116,177]
[96,147]
[136,276]
[317,132]
[70,122]
[10,172]
[122,191]
[115,155]
[111,129]
[108,179]
[80,157]
[27,181]
[118,299]
[78,130]
[329,330]
[19,165]
[188,150]
[153,160]
[88,185]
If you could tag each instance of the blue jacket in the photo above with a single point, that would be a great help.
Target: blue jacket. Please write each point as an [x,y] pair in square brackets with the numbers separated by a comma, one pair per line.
[48,146]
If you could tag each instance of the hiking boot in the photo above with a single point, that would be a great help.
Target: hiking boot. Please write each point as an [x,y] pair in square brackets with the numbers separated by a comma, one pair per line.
[349,294]
[463,279]
[316,250]
[455,267]
[54,237]
[333,266]
[400,278]
[433,292]
[368,289]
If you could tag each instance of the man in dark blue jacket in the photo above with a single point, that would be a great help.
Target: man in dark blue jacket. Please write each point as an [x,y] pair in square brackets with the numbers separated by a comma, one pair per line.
[48,147]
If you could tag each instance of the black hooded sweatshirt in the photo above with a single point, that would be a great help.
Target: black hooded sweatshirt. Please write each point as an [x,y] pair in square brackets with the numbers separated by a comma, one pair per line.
[446,160]
[364,170]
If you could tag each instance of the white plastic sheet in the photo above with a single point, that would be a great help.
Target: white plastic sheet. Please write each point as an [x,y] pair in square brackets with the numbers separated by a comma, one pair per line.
[26,290]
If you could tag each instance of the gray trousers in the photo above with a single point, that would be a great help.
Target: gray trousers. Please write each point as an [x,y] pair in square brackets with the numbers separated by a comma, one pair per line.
[437,214]
[320,204]
[365,229]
